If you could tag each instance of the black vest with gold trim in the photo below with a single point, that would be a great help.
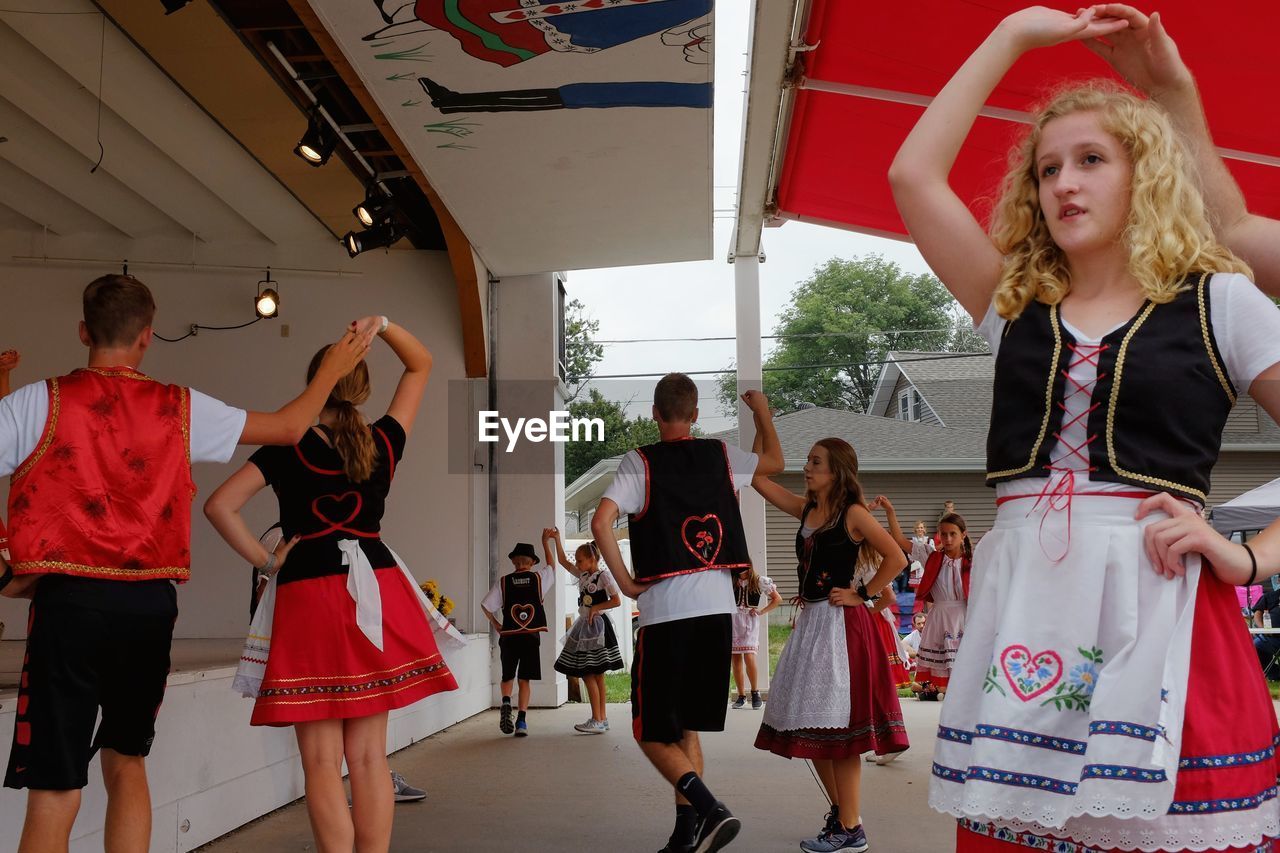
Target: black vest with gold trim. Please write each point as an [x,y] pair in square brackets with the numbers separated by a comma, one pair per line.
[522,611]
[690,521]
[1161,399]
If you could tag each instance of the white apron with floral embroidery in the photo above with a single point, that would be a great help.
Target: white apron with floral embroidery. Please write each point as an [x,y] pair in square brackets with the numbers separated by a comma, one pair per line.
[1067,696]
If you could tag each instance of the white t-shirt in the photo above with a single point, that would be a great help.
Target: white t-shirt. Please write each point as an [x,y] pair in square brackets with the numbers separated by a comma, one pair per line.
[215,426]
[912,641]
[1246,328]
[683,596]
[493,598]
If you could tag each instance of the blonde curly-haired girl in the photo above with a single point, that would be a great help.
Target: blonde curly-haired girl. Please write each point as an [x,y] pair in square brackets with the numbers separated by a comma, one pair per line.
[1086,704]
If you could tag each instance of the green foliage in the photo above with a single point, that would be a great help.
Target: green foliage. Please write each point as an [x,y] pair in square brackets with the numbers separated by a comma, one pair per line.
[582,353]
[835,317]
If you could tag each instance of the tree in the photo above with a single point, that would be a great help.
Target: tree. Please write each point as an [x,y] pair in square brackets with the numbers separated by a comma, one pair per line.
[581,352]
[840,324]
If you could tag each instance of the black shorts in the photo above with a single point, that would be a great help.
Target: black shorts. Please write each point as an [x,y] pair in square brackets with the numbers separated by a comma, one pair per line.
[520,652]
[81,658]
[680,678]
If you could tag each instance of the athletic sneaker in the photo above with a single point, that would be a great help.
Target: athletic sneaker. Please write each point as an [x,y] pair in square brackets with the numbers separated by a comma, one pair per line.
[404,792]
[739,703]
[756,702]
[854,840]
[522,728]
[592,727]
[830,824]
[716,829]
[504,720]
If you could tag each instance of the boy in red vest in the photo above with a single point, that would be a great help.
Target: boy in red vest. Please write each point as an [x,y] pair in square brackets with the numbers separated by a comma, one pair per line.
[687,542]
[99,529]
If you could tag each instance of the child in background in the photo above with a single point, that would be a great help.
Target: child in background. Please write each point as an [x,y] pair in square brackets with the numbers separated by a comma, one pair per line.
[945,589]
[750,589]
[591,646]
[517,597]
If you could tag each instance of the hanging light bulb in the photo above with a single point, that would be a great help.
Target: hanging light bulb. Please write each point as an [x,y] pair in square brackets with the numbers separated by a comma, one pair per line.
[374,209]
[377,237]
[317,144]
[267,303]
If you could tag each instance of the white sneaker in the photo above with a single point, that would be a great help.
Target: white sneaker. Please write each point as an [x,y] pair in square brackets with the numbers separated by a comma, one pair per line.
[592,727]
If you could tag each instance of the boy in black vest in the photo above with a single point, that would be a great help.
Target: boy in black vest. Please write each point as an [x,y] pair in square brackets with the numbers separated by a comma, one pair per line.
[517,599]
[686,543]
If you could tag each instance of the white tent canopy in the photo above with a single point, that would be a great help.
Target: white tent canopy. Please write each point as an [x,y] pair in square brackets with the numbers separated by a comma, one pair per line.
[1253,510]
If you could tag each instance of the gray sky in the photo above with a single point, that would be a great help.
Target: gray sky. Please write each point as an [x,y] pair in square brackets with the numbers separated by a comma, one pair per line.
[695,299]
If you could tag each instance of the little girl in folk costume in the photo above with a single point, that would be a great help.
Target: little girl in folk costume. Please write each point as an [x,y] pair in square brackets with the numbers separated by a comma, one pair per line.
[945,590]
[591,645]
[750,590]
[1094,704]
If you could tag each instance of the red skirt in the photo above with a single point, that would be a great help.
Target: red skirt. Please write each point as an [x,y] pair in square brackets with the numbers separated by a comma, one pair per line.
[1229,712]
[889,642]
[865,716]
[322,667]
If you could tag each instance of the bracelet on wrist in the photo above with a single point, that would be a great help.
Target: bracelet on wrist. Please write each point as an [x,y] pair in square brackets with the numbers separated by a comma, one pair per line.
[385,325]
[267,567]
[1253,561]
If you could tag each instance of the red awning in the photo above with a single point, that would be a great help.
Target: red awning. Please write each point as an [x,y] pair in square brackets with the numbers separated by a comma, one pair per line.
[875,65]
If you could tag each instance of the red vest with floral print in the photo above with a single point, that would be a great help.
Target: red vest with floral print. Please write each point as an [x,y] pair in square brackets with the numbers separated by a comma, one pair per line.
[107,491]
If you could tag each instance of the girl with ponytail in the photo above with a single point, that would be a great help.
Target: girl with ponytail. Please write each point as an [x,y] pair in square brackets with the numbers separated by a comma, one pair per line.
[352,636]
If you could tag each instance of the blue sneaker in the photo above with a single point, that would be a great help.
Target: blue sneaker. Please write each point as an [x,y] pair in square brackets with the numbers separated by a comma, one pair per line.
[854,840]
[522,728]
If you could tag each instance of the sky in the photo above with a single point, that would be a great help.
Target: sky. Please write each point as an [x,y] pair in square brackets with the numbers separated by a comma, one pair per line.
[696,299]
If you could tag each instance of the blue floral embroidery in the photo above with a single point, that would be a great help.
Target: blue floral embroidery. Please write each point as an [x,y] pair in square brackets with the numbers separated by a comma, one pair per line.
[1076,693]
[1123,729]
[1121,773]
[1216,806]
[957,735]
[1235,760]
[1026,738]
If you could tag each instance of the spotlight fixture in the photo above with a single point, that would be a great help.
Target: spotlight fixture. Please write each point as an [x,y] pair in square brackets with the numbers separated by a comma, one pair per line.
[267,303]
[171,6]
[375,208]
[378,237]
[317,144]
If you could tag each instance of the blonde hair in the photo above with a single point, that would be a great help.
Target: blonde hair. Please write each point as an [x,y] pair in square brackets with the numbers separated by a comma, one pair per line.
[351,436]
[1167,232]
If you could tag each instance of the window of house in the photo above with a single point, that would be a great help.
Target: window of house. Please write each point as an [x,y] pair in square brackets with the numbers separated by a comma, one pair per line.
[910,406]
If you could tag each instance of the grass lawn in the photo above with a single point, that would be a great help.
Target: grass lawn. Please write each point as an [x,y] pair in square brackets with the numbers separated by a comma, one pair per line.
[617,685]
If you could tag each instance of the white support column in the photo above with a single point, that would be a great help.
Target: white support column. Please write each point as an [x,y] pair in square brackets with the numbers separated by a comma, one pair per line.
[746,277]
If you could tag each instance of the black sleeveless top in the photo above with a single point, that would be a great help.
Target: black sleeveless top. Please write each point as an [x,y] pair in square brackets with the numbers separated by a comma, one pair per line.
[827,560]
[588,597]
[522,610]
[1160,403]
[320,503]
[690,521]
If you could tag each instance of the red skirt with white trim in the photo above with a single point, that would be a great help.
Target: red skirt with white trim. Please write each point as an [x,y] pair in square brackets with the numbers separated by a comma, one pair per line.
[1230,723]
[323,667]
[889,641]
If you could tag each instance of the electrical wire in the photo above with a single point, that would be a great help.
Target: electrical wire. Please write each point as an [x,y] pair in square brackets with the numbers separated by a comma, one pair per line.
[102,53]
[780,368]
[772,337]
[196,327]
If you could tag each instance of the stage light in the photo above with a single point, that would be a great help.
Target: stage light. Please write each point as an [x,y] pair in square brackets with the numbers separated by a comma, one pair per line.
[375,208]
[267,303]
[378,237]
[317,144]
[171,6]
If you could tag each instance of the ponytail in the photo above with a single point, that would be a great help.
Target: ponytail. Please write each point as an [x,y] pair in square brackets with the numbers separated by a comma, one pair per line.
[351,437]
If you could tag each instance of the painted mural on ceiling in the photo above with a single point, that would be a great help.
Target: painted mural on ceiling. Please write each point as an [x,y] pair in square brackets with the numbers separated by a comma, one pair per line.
[560,135]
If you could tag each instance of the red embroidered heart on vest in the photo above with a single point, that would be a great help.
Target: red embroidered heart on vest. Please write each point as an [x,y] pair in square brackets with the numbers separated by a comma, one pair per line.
[523,614]
[703,537]
[329,509]
[1030,675]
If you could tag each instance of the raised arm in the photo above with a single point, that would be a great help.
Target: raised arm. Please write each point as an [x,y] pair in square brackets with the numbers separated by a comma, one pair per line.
[289,423]
[8,361]
[948,235]
[416,359]
[1146,56]
[779,496]
[552,535]
[766,444]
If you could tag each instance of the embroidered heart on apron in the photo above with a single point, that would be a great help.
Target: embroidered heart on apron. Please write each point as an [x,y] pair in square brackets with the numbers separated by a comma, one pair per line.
[703,536]
[1030,675]
[523,614]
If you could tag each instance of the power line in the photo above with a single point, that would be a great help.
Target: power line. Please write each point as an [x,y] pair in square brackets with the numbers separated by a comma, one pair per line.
[772,337]
[842,365]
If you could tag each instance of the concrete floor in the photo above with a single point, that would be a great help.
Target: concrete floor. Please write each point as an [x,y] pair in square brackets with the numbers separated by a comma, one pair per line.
[561,791]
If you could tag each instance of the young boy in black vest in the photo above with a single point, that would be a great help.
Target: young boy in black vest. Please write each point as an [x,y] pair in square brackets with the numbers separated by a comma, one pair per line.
[517,599]
[687,541]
